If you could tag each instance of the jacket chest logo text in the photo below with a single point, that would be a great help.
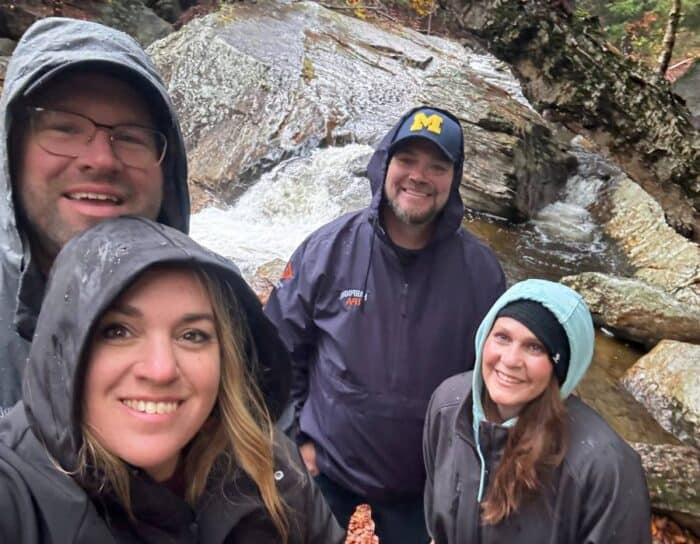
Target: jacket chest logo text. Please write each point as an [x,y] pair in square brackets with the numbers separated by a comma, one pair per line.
[422,121]
[352,298]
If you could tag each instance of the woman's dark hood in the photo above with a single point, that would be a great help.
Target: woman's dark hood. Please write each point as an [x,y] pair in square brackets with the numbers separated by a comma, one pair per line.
[88,274]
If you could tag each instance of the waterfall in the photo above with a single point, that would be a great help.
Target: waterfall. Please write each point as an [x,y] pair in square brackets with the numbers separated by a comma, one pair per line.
[288,203]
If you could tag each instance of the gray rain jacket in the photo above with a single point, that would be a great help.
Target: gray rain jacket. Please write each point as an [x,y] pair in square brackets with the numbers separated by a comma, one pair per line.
[371,338]
[43,504]
[47,47]
[597,495]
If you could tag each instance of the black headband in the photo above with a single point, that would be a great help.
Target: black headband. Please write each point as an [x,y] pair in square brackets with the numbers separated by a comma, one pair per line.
[546,328]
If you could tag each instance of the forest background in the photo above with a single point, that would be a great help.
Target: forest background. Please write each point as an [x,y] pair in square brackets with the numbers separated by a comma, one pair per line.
[636,27]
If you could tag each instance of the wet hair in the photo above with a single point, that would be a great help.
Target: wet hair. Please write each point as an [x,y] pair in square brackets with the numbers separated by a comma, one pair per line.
[535,447]
[238,435]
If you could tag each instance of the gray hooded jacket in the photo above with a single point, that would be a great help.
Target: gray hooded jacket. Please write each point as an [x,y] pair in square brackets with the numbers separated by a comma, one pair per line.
[47,48]
[597,495]
[43,504]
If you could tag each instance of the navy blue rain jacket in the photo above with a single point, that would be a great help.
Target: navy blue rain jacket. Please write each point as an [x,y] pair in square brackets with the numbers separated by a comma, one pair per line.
[371,338]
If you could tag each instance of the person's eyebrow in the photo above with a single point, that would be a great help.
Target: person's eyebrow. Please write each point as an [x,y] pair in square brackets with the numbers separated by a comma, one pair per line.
[133,311]
[189,318]
[126,309]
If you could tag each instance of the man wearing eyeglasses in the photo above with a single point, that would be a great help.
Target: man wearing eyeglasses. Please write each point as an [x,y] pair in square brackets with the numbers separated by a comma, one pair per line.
[88,133]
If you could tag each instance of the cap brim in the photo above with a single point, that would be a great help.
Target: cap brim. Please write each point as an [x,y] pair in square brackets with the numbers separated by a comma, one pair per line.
[447,154]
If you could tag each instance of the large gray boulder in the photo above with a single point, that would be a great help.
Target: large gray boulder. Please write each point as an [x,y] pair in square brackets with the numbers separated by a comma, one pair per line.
[130,16]
[667,382]
[673,478]
[662,298]
[257,83]
[660,255]
[636,310]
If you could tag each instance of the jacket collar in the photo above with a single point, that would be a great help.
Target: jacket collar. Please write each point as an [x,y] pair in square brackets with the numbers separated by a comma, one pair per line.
[30,294]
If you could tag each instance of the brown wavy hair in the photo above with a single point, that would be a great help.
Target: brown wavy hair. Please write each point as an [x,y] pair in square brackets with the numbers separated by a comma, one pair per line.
[238,434]
[535,447]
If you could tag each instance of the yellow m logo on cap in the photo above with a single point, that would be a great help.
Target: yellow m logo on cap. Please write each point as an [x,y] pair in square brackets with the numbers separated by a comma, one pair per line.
[422,121]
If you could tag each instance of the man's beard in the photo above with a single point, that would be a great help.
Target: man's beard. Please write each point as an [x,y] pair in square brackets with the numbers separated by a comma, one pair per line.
[408,218]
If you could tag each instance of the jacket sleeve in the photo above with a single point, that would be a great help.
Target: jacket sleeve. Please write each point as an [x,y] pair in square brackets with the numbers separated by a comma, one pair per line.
[311,519]
[430,438]
[323,527]
[18,522]
[615,508]
[290,308]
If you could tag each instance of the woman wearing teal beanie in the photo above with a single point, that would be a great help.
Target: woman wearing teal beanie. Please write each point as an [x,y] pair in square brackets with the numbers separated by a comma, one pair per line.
[511,455]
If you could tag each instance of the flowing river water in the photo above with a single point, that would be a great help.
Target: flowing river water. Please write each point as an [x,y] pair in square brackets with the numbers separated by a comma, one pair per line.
[273,217]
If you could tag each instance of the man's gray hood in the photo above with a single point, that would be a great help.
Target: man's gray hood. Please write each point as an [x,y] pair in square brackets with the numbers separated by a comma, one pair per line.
[88,275]
[48,47]
[55,44]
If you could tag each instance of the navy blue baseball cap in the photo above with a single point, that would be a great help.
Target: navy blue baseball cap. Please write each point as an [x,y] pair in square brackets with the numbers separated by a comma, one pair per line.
[431,125]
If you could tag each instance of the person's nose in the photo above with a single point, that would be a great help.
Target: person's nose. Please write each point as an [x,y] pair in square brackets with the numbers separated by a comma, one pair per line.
[159,363]
[98,155]
[511,355]
[417,172]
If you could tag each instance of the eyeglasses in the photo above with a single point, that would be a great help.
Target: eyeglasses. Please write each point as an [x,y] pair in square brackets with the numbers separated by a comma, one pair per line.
[69,135]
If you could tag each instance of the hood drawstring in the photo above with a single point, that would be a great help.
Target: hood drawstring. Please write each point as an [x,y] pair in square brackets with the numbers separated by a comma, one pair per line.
[482,462]
[369,264]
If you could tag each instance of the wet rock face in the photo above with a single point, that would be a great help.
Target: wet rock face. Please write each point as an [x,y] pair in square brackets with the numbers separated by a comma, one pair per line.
[130,16]
[266,277]
[667,382]
[3,69]
[257,83]
[662,299]
[7,46]
[672,474]
[660,255]
[688,87]
[636,310]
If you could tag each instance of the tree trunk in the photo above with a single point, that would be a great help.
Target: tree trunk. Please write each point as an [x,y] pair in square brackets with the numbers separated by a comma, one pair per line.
[568,70]
[674,18]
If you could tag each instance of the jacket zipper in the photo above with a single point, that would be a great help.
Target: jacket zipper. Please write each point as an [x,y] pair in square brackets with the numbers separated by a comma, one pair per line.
[404,298]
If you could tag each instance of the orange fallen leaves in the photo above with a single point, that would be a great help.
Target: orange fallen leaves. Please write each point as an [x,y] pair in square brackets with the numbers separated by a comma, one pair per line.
[361,527]
[666,531]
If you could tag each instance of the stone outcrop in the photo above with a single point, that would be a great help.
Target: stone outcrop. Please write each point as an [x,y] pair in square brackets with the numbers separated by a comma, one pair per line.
[131,16]
[636,310]
[258,83]
[7,46]
[667,382]
[266,277]
[568,70]
[673,474]
[662,298]
[660,256]
[3,68]
[688,87]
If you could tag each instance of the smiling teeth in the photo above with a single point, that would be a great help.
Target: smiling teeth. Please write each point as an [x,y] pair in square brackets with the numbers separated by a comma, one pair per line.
[508,379]
[93,196]
[150,407]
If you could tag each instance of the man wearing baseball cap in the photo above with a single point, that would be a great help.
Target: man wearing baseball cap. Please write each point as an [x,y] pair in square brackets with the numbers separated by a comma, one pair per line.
[88,132]
[377,308]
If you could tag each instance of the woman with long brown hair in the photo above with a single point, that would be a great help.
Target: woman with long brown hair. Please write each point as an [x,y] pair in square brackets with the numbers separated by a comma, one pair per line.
[511,455]
[149,398]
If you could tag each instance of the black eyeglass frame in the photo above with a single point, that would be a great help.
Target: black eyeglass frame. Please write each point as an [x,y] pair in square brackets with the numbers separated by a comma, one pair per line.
[159,137]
